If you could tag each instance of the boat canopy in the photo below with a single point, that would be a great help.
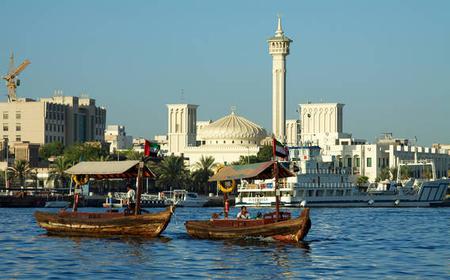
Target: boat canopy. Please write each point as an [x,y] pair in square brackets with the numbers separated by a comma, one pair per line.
[261,170]
[109,169]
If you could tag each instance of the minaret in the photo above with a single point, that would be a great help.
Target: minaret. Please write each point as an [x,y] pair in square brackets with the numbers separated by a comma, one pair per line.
[279,49]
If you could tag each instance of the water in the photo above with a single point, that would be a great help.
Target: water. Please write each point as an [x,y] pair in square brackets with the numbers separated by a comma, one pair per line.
[342,243]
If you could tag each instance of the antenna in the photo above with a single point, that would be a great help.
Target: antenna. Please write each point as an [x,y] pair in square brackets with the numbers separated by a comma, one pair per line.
[182,95]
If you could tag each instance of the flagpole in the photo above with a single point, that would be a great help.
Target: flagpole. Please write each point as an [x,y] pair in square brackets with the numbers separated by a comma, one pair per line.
[275,170]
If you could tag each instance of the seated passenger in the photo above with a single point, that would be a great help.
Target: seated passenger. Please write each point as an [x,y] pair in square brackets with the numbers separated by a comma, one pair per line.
[243,214]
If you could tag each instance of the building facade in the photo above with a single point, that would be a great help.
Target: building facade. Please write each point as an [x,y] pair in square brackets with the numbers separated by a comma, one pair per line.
[67,119]
[117,138]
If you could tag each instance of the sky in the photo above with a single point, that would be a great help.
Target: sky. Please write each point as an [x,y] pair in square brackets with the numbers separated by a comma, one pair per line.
[388,61]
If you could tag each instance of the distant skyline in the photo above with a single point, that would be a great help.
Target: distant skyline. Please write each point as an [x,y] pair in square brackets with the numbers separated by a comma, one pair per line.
[387,61]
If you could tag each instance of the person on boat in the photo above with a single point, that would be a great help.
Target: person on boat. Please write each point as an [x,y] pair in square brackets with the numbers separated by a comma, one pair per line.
[243,214]
[131,198]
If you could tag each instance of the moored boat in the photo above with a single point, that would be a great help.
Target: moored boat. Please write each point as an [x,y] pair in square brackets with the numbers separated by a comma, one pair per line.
[277,225]
[130,222]
[104,224]
[283,229]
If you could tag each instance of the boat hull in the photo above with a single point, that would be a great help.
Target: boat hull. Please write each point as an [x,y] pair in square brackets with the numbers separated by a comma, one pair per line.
[292,230]
[104,224]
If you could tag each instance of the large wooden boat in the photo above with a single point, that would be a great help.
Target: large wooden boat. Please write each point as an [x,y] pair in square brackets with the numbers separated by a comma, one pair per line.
[284,229]
[104,224]
[131,222]
[277,225]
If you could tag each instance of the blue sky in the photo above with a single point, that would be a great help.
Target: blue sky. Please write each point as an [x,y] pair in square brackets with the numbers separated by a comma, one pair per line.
[388,61]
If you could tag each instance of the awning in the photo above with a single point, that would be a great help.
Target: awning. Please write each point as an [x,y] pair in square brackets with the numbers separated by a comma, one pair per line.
[109,169]
[261,170]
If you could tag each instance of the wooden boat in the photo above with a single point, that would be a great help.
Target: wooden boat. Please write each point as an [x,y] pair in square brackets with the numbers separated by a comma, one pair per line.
[285,229]
[109,223]
[104,224]
[278,225]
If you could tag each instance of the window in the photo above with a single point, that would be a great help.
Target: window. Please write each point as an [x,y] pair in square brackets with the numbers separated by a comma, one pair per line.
[18,115]
[5,115]
[349,162]
[357,162]
[369,162]
[18,138]
[5,127]
[18,127]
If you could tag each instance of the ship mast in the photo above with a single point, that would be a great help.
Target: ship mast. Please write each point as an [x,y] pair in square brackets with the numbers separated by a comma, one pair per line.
[275,171]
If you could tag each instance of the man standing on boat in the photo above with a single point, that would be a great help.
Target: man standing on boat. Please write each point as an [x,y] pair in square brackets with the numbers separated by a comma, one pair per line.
[131,199]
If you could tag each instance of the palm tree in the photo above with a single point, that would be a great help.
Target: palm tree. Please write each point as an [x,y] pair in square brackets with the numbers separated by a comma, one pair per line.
[133,155]
[21,170]
[172,172]
[58,168]
[203,169]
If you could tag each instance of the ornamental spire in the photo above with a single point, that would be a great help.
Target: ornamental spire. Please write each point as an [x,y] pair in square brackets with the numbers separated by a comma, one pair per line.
[279,31]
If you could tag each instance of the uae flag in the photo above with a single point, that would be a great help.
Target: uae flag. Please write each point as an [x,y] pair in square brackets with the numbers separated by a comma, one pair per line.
[151,149]
[279,149]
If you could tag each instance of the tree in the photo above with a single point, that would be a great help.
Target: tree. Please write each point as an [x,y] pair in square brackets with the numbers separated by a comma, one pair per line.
[427,173]
[203,169]
[133,155]
[384,174]
[84,152]
[248,160]
[405,172]
[362,180]
[20,171]
[172,173]
[265,153]
[58,168]
[394,171]
[51,149]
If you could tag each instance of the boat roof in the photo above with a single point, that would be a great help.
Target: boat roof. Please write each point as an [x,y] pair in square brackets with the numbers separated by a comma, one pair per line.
[260,170]
[109,169]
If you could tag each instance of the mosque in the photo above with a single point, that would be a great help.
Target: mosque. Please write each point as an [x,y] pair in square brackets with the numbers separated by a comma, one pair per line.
[321,124]
[231,136]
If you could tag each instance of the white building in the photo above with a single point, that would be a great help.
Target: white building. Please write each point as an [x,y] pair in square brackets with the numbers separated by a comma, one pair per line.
[293,132]
[322,125]
[226,139]
[117,138]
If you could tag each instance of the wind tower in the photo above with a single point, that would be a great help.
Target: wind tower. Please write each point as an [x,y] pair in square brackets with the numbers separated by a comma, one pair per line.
[279,49]
[11,78]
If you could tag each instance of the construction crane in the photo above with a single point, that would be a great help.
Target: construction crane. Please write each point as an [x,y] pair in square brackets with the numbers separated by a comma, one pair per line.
[11,78]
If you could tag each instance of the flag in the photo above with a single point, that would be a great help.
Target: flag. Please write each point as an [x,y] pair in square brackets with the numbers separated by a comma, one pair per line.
[151,149]
[279,149]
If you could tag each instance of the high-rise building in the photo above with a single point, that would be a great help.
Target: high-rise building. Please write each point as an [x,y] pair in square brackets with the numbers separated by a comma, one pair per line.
[279,49]
[67,119]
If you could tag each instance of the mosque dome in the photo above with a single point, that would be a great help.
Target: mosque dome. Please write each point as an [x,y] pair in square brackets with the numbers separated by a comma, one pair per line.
[233,127]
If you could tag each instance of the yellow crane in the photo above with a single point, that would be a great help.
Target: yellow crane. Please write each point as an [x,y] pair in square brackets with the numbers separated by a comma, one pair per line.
[11,78]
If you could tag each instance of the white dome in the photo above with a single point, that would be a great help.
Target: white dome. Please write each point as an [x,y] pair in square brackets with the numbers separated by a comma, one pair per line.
[233,127]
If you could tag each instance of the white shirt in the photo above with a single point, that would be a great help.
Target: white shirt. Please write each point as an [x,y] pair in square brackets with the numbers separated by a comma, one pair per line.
[131,196]
[241,215]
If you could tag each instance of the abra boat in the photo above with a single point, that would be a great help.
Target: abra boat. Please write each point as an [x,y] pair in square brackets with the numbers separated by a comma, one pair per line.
[283,229]
[110,223]
[277,225]
[104,224]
